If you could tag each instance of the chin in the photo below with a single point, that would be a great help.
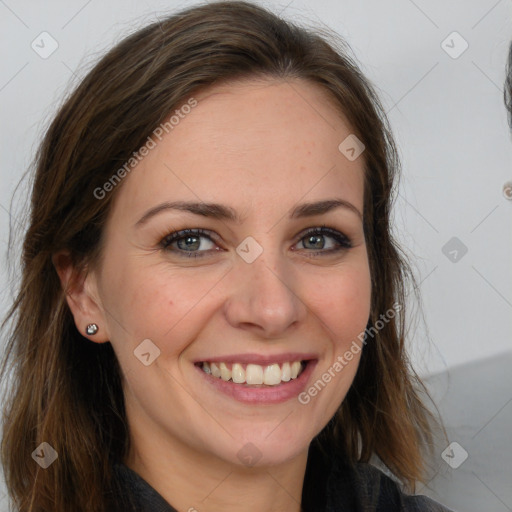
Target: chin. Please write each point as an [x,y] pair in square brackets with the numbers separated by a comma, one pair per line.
[263,449]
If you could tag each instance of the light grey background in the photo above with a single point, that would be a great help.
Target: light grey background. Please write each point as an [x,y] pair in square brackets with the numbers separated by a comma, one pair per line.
[450,123]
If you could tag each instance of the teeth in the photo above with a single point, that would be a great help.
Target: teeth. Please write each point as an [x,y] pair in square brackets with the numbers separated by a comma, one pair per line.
[295,369]
[272,375]
[214,369]
[286,374]
[237,373]
[225,372]
[255,374]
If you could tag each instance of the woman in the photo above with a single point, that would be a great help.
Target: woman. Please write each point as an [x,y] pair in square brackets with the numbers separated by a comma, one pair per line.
[211,315]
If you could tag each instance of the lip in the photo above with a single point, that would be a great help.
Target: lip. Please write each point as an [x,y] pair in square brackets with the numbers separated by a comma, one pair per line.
[259,359]
[264,395]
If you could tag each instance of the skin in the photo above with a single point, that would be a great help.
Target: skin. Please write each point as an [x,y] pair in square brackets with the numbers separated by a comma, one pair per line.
[260,147]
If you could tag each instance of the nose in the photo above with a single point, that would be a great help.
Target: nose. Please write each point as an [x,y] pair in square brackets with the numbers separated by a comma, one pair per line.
[264,298]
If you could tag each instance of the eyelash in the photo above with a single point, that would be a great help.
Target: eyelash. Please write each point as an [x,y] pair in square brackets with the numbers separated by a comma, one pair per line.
[342,240]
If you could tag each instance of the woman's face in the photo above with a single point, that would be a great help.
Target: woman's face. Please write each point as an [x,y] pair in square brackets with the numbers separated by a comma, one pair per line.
[258,287]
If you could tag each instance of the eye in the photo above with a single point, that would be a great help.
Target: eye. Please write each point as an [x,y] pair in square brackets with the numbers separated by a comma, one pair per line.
[316,239]
[192,243]
[188,242]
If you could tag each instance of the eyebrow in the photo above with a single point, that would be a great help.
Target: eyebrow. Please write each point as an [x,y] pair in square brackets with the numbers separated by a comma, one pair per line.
[222,212]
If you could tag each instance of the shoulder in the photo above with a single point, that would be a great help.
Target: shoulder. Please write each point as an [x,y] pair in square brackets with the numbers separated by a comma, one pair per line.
[379,492]
[332,484]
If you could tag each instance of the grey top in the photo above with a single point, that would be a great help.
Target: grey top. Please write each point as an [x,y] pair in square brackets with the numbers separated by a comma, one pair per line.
[330,485]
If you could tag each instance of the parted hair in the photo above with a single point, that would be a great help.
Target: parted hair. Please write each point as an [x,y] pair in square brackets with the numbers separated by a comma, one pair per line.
[65,390]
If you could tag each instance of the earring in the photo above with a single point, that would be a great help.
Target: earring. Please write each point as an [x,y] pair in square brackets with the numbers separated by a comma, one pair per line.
[91,329]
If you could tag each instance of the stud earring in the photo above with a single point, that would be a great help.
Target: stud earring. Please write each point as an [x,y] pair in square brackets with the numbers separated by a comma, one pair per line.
[91,329]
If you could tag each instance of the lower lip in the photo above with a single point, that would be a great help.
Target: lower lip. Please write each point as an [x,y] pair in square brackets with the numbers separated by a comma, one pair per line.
[264,395]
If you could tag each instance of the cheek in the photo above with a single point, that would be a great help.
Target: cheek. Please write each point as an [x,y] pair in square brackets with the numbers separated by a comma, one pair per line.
[343,303]
[156,302]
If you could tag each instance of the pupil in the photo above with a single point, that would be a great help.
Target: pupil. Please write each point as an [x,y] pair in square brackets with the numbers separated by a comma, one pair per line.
[316,241]
[191,242]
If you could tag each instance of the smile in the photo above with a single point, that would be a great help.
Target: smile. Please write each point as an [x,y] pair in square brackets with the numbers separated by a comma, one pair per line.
[254,374]
[255,379]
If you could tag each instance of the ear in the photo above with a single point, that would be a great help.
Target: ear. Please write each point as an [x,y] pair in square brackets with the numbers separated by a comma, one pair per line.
[82,297]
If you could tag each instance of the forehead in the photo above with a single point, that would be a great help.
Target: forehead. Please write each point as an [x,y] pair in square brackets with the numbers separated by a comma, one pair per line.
[267,143]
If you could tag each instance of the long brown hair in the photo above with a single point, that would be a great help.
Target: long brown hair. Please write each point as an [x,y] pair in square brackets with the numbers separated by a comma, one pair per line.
[67,391]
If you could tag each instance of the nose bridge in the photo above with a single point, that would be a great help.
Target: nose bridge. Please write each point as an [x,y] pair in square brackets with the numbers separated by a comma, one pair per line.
[263,296]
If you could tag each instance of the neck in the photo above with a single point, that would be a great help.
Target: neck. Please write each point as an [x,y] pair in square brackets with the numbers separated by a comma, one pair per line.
[195,482]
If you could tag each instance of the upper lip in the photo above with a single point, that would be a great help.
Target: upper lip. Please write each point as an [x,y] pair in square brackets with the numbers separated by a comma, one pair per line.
[261,359]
